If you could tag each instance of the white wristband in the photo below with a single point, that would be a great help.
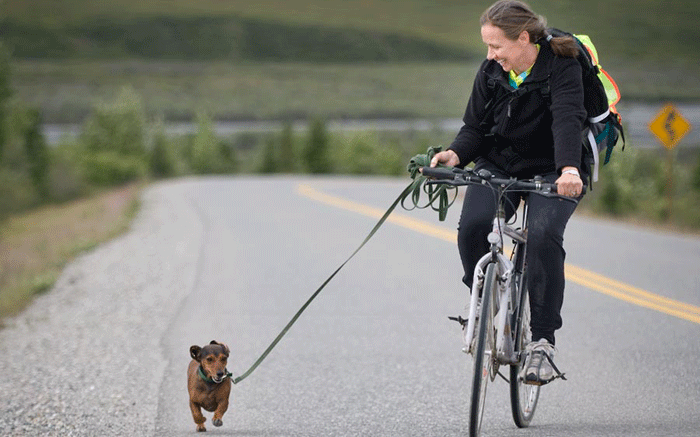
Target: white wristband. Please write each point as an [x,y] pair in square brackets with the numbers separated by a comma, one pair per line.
[571,171]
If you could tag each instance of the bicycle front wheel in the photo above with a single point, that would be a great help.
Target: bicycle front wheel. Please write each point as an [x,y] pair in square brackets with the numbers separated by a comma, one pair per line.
[523,397]
[484,352]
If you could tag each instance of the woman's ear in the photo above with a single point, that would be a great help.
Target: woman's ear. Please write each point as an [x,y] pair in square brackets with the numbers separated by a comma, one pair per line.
[524,37]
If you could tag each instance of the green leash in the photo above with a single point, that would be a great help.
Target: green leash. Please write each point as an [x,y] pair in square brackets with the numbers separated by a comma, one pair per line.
[414,189]
[434,192]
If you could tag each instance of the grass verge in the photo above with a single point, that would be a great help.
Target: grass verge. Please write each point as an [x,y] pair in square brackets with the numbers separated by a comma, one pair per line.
[35,246]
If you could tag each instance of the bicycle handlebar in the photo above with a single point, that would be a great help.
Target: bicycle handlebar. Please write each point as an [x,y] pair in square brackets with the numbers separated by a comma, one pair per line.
[457,177]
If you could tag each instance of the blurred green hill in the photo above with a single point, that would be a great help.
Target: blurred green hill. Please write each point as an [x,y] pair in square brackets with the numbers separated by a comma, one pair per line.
[274,59]
[330,30]
[218,38]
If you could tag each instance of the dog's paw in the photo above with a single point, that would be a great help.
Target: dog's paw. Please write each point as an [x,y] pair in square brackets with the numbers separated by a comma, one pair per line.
[201,428]
[217,422]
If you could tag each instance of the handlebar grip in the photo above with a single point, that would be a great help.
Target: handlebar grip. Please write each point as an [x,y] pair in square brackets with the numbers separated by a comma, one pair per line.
[438,172]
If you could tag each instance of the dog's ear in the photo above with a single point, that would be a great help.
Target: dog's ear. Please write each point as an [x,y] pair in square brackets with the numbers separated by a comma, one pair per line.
[194,352]
[227,351]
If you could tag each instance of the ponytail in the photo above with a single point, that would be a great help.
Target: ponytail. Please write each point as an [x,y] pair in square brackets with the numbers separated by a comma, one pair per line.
[564,46]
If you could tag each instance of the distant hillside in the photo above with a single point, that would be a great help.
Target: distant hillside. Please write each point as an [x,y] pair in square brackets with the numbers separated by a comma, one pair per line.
[649,30]
[211,38]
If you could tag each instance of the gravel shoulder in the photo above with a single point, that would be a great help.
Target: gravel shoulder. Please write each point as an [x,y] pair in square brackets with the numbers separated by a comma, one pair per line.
[86,358]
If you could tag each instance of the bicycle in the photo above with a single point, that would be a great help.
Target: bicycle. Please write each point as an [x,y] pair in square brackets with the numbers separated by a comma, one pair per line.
[499,298]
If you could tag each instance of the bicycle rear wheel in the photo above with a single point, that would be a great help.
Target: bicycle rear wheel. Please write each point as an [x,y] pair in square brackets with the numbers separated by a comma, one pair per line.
[523,397]
[484,353]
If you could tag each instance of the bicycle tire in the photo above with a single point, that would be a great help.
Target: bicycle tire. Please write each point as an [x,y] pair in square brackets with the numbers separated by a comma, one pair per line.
[484,353]
[523,397]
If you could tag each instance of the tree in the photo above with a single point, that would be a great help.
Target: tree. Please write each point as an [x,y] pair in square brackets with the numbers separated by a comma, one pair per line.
[37,153]
[5,95]
[287,158]
[317,154]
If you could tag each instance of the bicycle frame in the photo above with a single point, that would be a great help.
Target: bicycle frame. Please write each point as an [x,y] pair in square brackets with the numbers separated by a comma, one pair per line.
[504,309]
[505,299]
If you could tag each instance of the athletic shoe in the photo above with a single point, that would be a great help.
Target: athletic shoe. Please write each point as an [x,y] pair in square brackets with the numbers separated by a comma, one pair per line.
[539,368]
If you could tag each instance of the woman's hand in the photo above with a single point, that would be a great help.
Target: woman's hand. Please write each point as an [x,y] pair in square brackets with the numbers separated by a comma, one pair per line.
[569,183]
[448,158]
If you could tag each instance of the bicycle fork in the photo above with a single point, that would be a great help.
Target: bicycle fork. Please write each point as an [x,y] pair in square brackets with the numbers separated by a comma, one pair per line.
[501,299]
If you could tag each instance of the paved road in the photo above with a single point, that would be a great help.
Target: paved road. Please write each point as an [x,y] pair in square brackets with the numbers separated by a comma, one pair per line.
[232,259]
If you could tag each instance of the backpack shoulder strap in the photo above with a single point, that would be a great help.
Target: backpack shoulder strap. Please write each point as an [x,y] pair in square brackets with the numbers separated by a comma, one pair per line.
[527,87]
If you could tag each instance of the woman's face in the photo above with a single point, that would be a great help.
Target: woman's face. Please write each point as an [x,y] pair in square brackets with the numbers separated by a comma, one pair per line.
[510,54]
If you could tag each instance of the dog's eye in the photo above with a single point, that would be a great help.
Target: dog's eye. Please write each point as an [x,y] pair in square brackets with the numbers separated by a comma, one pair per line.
[210,359]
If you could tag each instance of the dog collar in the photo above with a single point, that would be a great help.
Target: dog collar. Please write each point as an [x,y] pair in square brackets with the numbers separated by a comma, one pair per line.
[205,378]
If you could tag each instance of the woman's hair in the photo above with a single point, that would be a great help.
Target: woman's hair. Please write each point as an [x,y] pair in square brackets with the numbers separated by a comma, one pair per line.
[513,16]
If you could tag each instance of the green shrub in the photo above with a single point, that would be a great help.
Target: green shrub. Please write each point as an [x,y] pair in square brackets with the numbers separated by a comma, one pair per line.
[111,168]
[118,126]
[317,155]
[365,154]
[287,156]
[695,179]
[162,159]
[16,192]
[208,154]
[618,189]
[269,159]
[5,94]
[112,141]
[65,176]
[278,153]
[637,183]
[37,153]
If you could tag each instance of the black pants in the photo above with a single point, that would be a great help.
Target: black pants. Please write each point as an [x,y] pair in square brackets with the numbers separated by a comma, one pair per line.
[547,218]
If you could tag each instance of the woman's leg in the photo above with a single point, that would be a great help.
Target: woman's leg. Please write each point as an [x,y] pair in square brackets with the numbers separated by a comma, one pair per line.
[547,221]
[478,210]
[476,219]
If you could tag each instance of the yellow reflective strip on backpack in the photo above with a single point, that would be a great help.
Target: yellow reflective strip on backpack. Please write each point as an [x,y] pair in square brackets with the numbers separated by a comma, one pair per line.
[586,41]
[611,89]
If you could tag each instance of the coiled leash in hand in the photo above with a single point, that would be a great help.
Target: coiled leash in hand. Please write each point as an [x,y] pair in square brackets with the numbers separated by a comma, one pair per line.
[414,189]
[434,192]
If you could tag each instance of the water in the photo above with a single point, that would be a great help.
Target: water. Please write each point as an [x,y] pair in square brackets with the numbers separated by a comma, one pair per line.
[636,118]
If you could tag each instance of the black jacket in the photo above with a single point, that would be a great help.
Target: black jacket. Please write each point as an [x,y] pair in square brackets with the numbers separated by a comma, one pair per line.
[532,130]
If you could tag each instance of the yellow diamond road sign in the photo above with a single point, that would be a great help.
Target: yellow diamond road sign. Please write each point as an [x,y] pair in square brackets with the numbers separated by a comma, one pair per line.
[669,126]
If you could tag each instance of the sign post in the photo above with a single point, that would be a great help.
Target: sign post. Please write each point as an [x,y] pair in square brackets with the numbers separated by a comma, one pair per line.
[669,126]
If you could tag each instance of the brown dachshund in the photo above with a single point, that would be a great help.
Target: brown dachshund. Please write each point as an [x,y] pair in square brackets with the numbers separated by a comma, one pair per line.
[208,382]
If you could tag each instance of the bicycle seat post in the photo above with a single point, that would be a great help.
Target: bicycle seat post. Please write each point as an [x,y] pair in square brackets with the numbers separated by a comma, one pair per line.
[495,238]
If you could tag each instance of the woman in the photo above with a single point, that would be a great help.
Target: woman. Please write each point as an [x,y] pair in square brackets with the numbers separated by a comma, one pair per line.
[524,118]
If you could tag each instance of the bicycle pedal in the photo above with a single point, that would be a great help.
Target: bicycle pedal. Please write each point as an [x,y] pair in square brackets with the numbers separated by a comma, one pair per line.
[459,319]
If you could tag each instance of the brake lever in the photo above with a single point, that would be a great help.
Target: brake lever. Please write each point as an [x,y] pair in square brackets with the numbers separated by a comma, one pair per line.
[554,194]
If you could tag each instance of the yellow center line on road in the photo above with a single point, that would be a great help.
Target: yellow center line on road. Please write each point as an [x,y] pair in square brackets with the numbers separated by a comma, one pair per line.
[578,275]
[401,220]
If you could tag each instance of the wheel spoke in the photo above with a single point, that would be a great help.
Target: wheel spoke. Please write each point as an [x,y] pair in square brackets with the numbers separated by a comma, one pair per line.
[523,397]
[484,354]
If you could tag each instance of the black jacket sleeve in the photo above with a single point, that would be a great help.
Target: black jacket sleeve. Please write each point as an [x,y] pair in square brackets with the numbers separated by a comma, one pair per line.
[568,113]
[470,138]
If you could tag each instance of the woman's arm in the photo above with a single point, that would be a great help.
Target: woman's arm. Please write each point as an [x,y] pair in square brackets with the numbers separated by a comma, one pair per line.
[568,113]
[470,137]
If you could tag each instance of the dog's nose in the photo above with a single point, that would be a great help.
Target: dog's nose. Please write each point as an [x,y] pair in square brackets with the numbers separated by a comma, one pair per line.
[220,374]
